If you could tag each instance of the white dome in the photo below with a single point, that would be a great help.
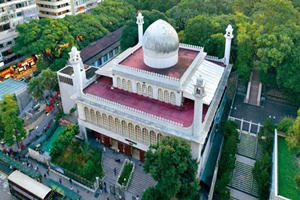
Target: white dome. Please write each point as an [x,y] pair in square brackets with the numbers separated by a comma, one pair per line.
[160,45]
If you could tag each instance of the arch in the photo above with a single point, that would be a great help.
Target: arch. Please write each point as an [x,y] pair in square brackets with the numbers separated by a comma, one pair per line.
[124,128]
[93,116]
[124,85]
[152,137]
[144,90]
[111,123]
[105,122]
[150,92]
[119,84]
[98,116]
[87,114]
[118,126]
[160,95]
[146,139]
[166,96]
[129,84]
[131,131]
[159,137]
[138,134]
[172,98]
[138,88]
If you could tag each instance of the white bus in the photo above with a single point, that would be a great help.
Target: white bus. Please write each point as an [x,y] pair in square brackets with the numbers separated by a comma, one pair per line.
[25,188]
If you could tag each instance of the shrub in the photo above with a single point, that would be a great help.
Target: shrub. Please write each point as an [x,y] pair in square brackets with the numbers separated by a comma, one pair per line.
[125,174]
[284,124]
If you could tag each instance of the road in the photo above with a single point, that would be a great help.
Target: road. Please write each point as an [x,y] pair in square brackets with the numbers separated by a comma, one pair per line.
[4,189]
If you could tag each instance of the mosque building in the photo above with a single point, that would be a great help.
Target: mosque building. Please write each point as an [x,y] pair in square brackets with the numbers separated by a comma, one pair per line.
[158,88]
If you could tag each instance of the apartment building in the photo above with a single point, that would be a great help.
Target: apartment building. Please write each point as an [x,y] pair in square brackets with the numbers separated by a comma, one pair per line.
[12,13]
[56,9]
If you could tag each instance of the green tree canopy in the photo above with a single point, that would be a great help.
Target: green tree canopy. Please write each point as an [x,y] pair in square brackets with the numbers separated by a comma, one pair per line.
[12,124]
[293,138]
[170,163]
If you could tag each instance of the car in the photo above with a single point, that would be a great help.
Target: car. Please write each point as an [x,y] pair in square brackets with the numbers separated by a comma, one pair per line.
[36,73]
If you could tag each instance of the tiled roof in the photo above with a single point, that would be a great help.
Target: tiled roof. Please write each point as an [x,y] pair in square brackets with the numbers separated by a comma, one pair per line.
[11,86]
[96,47]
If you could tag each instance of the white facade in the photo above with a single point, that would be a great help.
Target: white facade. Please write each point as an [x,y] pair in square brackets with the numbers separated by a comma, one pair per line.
[13,13]
[107,107]
[61,8]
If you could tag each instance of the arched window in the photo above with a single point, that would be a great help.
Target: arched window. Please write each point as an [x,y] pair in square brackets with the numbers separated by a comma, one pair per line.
[93,116]
[86,114]
[159,137]
[129,85]
[160,95]
[144,88]
[166,96]
[138,134]
[111,123]
[98,116]
[146,138]
[139,88]
[172,98]
[119,84]
[124,128]
[152,137]
[118,126]
[105,123]
[150,92]
[131,131]
[124,86]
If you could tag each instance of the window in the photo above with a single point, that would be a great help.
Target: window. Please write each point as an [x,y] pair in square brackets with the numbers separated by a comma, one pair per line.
[145,90]
[138,134]
[146,136]
[159,137]
[150,92]
[104,118]
[119,83]
[139,88]
[160,95]
[131,131]
[129,84]
[105,58]
[166,96]
[172,98]
[98,115]
[93,117]
[124,86]
[118,126]
[124,128]
[86,114]
[111,123]
[111,54]
[152,137]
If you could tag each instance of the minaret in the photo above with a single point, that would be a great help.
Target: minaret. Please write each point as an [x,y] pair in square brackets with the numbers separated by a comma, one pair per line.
[199,93]
[228,37]
[76,62]
[140,22]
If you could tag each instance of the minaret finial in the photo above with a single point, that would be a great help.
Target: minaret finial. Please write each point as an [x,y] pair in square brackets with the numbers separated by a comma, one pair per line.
[140,22]
[228,35]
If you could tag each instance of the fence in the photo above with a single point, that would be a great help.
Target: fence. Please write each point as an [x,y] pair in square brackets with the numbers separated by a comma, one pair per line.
[245,125]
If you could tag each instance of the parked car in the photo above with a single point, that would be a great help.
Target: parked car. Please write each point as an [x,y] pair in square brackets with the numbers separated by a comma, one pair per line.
[36,73]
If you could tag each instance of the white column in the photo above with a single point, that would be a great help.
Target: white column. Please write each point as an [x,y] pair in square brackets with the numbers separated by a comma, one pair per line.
[140,22]
[228,37]
[198,110]
[76,63]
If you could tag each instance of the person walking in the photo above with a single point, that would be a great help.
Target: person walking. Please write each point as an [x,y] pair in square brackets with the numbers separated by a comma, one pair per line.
[104,150]
[70,180]
[48,170]
[60,180]
[45,176]
[71,187]
[115,171]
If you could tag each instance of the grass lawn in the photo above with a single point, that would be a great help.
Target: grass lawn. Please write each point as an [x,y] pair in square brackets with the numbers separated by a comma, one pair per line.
[125,174]
[48,145]
[287,170]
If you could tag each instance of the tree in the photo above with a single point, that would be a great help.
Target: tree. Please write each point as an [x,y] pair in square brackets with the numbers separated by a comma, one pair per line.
[170,163]
[129,36]
[12,124]
[284,124]
[160,5]
[48,38]
[293,137]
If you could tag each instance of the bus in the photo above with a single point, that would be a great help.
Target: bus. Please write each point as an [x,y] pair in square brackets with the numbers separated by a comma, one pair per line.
[25,188]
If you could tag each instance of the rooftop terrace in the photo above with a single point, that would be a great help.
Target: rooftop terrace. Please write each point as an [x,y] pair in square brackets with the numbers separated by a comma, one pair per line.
[185,58]
[183,115]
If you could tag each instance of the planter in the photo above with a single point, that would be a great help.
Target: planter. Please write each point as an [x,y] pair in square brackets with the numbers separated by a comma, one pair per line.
[125,174]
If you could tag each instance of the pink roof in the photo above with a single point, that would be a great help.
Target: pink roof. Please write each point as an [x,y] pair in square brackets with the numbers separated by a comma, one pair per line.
[183,115]
[185,58]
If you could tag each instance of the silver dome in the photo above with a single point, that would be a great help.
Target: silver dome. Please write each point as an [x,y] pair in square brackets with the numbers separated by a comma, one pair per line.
[160,45]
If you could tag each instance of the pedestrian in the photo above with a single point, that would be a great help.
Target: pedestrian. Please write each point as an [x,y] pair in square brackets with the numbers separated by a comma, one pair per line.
[107,198]
[104,150]
[47,171]
[115,171]
[60,180]
[70,180]
[77,191]
[137,197]
[45,176]
[105,189]
[101,191]
[71,187]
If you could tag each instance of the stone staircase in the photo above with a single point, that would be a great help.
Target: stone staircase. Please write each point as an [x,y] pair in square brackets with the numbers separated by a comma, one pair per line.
[140,181]
[247,146]
[242,177]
